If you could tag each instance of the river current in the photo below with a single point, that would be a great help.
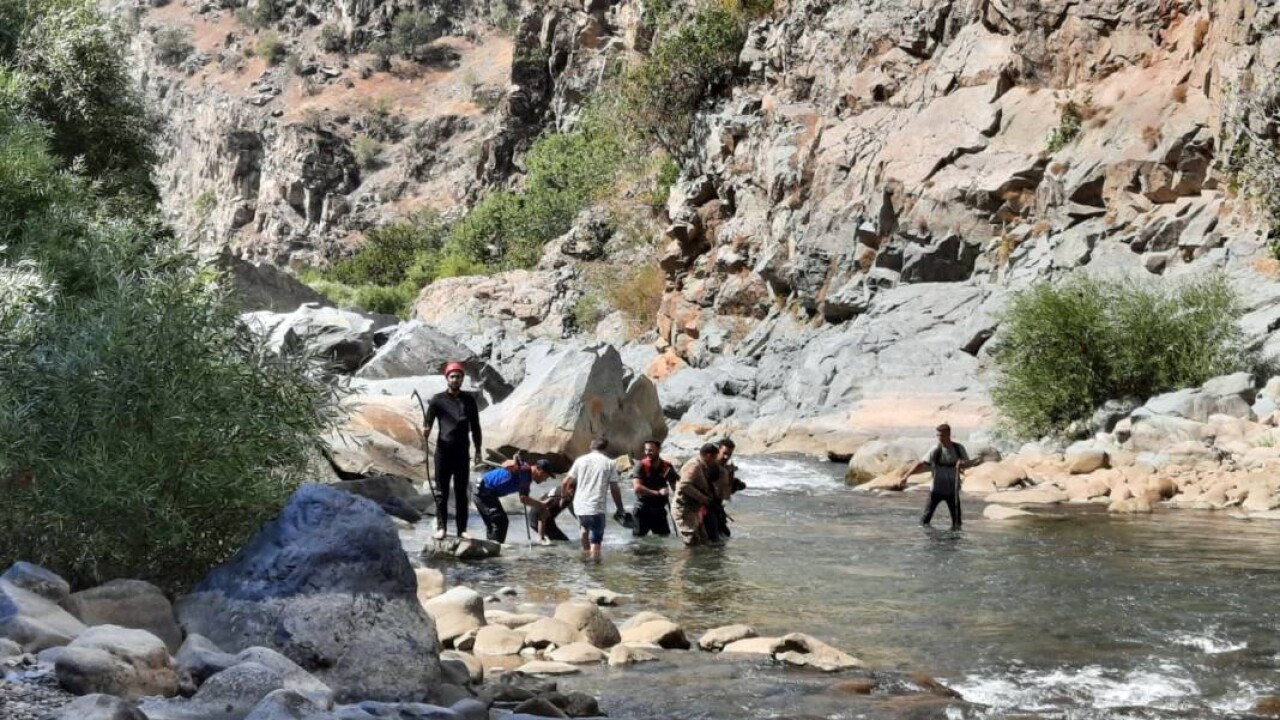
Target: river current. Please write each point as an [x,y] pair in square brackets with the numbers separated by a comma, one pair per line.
[1169,615]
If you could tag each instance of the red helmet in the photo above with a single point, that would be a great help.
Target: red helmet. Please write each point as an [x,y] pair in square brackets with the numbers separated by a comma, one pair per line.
[453,366]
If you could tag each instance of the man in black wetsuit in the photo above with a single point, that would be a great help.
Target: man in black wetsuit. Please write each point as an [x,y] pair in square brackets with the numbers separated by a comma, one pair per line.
[459,417]
[652,479]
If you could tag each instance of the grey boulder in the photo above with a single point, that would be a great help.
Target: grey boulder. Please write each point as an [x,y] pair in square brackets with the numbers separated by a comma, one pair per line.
[128,603]
[117,661]
[328,585]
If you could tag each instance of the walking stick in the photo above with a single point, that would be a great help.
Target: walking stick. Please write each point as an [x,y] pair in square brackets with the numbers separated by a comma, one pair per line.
[426,453]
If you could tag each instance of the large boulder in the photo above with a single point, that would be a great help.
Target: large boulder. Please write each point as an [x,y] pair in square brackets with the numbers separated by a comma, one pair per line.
[200,658]
[117,661]
[1224,395]
[261,286]
[586,618]
[878,458]
[128,603]
[397,496]
[571,395]
[29,611]
[328,585]
[417,349]
[228,695]
[549,631]
[343,338]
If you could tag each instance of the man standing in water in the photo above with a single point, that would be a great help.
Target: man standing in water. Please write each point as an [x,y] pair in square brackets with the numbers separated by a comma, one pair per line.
[946,460]
[693,495]
[459,417]
[593,477]
[653,480]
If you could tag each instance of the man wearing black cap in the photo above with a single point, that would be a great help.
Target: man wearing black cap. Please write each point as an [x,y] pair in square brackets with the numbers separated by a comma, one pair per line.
[498,482]
[459,417]
[946,460]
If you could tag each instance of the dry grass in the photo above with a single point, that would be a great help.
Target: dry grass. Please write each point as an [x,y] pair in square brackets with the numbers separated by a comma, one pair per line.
[1058,168]
[1179,93]
[635,290]
[1004,249]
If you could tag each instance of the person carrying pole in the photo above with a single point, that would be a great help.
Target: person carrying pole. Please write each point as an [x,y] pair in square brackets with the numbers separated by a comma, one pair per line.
[498,482]
[653,480]
[592,478]
[459,418]
[947,459]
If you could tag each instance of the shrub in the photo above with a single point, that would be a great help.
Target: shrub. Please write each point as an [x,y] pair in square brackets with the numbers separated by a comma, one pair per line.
[143,431]
[367,151]
[1069,125]
[270,48]
[389,252]
[260,15]
[332,39]
[637,292]
[1066,349]
[173,45]
[662,95]
[205,204]
[411,32]
[588,311]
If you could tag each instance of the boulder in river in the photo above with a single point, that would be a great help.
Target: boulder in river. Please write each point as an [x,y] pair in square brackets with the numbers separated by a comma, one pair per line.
[327,584]
[717,638]
[571,395]
[592,625]
[118,661]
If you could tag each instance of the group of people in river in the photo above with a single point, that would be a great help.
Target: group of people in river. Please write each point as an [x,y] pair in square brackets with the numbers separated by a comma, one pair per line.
[693,498]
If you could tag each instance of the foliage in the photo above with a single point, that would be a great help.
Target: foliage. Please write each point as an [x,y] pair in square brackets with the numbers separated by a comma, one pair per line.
[173,45]
[66,66]
[1069,126]
[143,430]
[412,32]
[332,39]
[566,171]
[205,204]
[1066,349]
[588,311]
[661,96]
[390,251]
[261,15]
[368,151]
[270,48]
[1253,158]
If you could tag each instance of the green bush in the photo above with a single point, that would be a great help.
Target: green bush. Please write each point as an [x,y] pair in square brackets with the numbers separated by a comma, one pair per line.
[566,172]
[332,39]
[662,95]
[64,63]
[1068,129]
[411,32]
[270,48]
[389,252]
[173,45]
[368,151]
[143,431]
[1066,349]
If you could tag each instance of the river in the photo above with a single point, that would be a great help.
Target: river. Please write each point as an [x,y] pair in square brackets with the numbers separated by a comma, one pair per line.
[1170,615]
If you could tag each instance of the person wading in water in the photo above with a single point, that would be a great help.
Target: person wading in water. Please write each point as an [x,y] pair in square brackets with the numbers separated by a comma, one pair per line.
[459,417]
[693,496]
[653,480]
[946,460]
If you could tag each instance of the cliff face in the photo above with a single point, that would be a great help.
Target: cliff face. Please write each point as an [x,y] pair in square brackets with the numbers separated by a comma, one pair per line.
[858,204]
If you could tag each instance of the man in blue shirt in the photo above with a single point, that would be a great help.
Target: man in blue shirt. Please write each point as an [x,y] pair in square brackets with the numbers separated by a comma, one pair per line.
[516,477]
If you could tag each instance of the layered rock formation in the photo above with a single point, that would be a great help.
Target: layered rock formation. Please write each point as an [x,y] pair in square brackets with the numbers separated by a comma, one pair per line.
[854,209]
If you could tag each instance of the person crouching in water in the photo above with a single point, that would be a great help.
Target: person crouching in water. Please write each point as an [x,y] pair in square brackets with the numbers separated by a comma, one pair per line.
[592,478]
[653,480]
[693,496]
[498,482]
[946,460]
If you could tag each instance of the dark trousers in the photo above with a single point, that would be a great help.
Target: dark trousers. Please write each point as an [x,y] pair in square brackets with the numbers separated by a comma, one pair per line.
[495,518]
[953,506]
[651,517]
[452,468]
[548,516]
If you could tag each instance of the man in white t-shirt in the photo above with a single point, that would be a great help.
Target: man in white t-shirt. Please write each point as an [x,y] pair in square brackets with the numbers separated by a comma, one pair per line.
[593,477]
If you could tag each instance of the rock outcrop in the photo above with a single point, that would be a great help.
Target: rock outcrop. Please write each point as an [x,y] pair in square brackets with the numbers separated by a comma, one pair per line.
[328,585]
[569,396]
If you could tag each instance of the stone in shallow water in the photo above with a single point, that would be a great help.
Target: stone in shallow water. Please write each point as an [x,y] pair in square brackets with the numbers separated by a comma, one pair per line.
[461,549]
[717,638]
[544,667]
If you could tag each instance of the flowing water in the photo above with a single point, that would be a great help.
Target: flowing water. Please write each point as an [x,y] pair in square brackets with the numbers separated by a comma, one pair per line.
[1171,615]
